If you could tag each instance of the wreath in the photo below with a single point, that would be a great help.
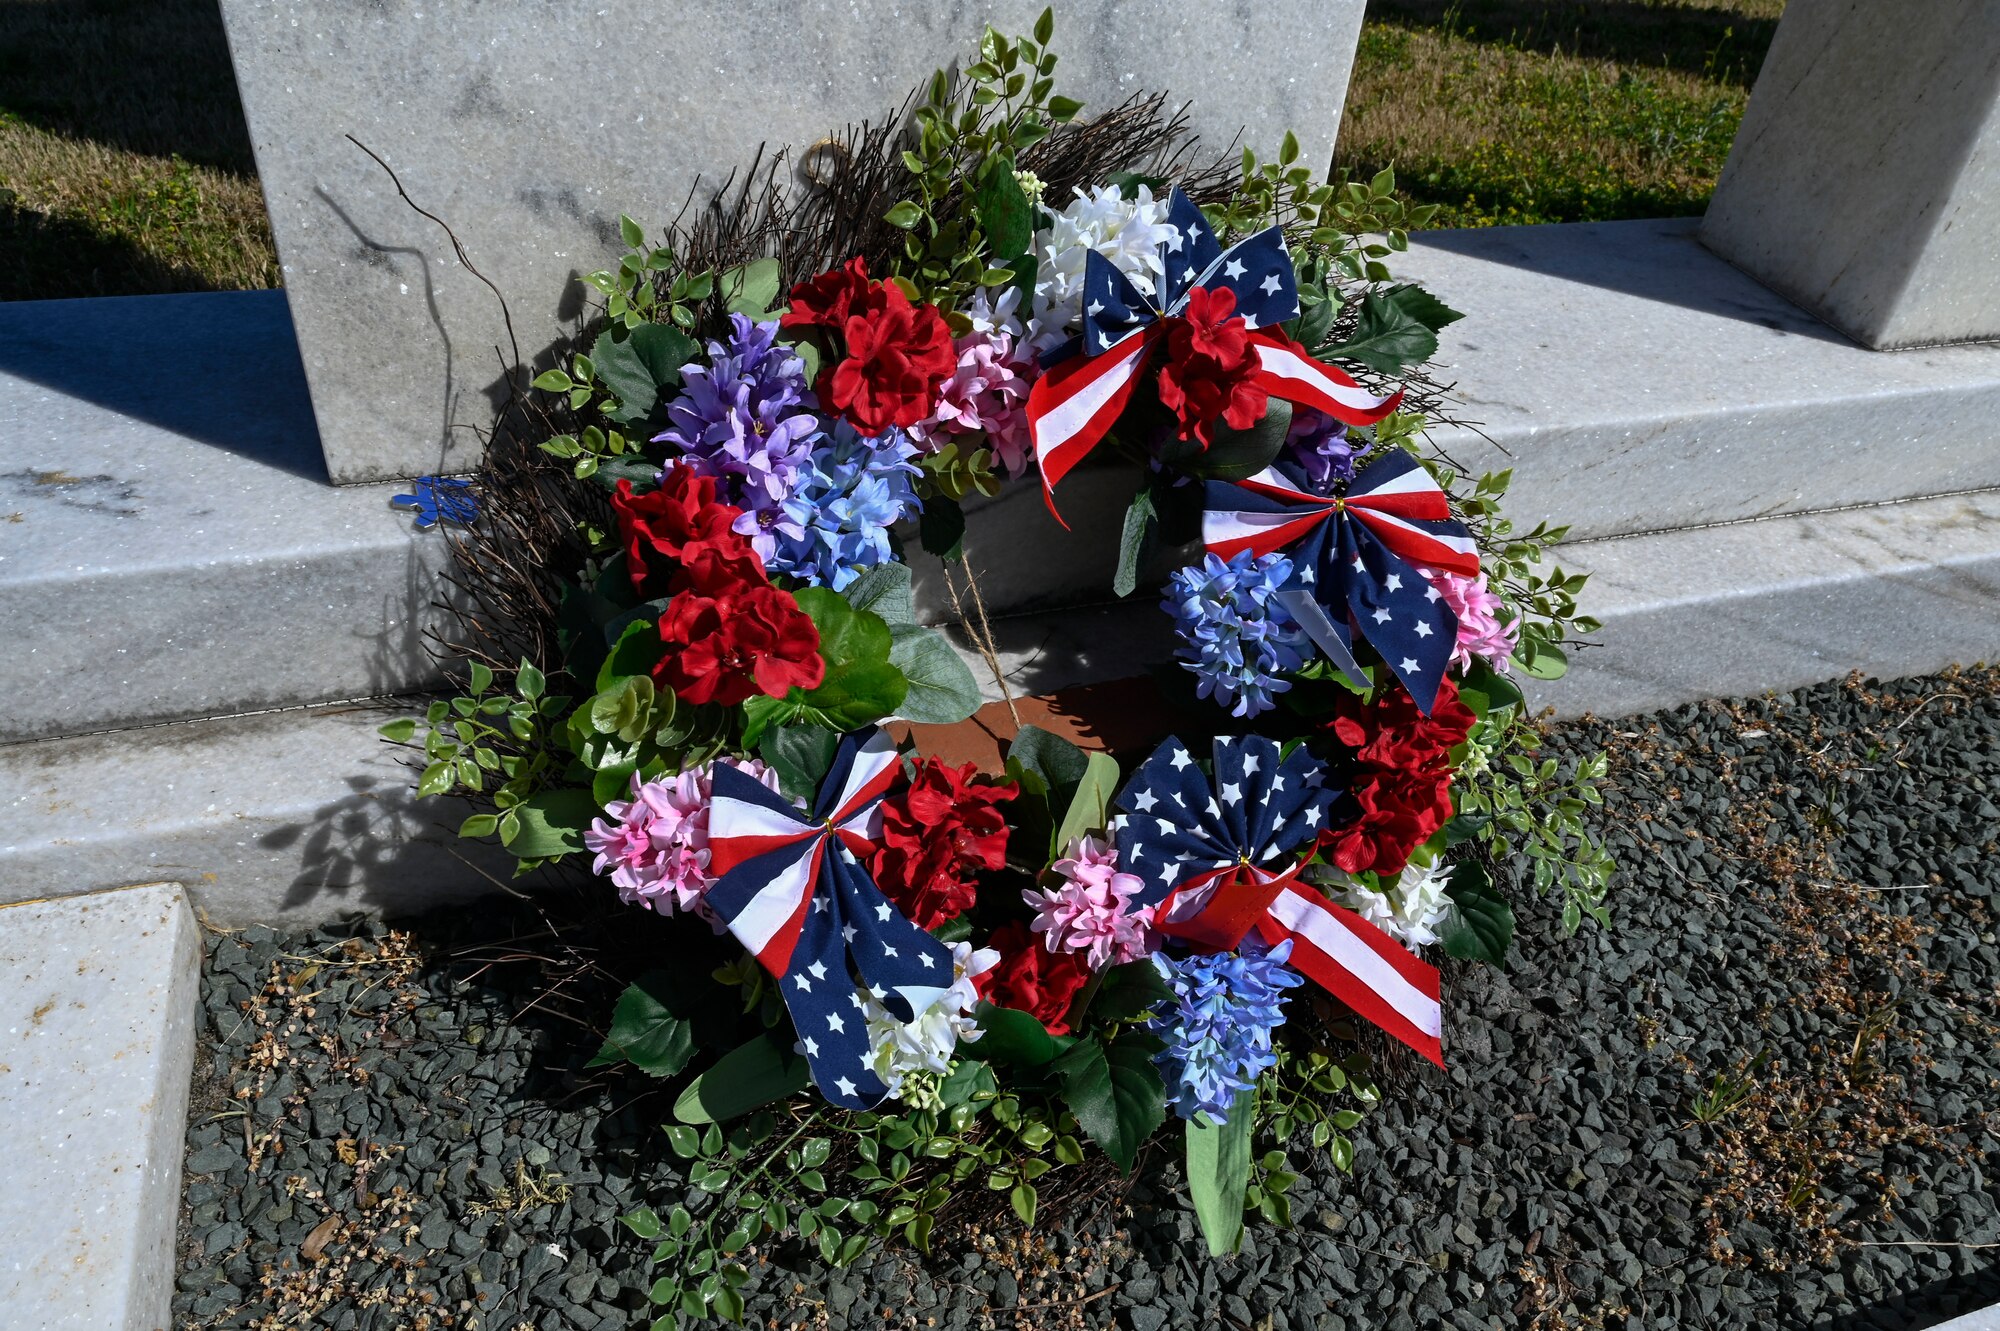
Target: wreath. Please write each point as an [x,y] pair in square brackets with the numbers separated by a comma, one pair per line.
[692,661]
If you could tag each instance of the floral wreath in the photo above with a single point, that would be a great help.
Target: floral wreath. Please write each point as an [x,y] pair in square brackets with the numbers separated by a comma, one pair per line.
[693,543]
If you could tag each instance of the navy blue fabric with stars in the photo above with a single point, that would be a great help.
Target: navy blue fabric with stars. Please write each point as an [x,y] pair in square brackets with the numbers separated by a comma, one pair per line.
[1257,270]
[851,936]
[1259,809]
[1345,580]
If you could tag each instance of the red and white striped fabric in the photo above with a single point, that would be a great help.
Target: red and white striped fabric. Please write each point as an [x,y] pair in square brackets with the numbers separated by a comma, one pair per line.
[1361,966]
[1074,405]
[1391,500]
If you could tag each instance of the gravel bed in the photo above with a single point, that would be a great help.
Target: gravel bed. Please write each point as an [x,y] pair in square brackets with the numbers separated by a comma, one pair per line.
[1805,916]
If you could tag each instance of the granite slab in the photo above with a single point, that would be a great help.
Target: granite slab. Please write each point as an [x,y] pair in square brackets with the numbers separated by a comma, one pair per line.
[99,996]
[1635,382]
[1888,590]
[530,128]
[1878,210]
[169,543]
[305,814]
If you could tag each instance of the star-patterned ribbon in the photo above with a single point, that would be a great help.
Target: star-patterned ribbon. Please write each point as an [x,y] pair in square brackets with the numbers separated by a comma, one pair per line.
[1072,406]
[792,891]
[1220,859]
[1357,561]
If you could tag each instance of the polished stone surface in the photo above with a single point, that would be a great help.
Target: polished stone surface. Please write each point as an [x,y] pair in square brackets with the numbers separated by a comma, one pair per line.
[304,814]
[1864,182]
[169,544]
[99,996]
[1635,382]
[1891,590]
[529,129]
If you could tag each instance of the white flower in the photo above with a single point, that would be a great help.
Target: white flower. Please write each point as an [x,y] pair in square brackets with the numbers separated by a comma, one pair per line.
[996,316]
[1410,911]
[897,1048]
[1127,232]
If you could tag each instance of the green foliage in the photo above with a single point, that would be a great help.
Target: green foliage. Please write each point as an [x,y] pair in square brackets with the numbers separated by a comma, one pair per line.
[746,1078]
[1218,1173]
[646,1032]
[1090,807]
[861,684]
[494,744]
[1051,758]
[632,294]
[1013,1037]
[941,688]
[968,135]
[640,365]
[1480,923]
[1115,1092]
[1397,328]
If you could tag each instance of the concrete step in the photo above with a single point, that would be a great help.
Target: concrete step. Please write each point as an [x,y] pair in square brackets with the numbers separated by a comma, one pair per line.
[302,814]
[99,1000]
[169,545]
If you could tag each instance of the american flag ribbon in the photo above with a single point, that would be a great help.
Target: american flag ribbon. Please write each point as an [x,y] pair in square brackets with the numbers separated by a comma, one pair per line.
[1074,404]
[792,890]
[1357,561]
[1220,858]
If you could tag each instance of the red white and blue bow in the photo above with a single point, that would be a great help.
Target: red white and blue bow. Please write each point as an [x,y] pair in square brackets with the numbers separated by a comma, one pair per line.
[792,891]
[1357,561]
[1072,406]
[1221,859]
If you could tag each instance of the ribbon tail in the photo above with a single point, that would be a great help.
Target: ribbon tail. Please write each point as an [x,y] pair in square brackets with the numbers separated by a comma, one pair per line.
[1284,370]
[827,1013]
[1074,405]
[1326,635]
[1362,967]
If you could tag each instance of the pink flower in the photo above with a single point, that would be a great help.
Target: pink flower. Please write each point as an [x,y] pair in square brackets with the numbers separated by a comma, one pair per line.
[655,845]
[1480,631]
[1092,911]
[987,393]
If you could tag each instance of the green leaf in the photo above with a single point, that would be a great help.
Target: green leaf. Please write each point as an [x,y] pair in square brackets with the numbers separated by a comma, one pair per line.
[800,755]
[941,689]
[1238,454]
[1129,991]
[941,528]
[1128,183]
[553,381]
[1548,661]
[860,685]
[638,364]
[969,1080]
[1422,306]
[884,590]
[761,712]
[904,215]
[635,651]
[631,233]
[1004,212]
[1132,541]
[1316,318]
[1387,338]
[550,823]
[748,1077]
[1480,923]
[1064,108]
[1218,1173]
[645,1032]
[1116,1093]
[1054,759]
[399,732]
[1012,1037]
[643,1222]
[752,288]
[1090,807]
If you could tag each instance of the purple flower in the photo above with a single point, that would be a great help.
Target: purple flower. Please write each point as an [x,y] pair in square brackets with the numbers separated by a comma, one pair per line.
[1235,635]
[1218,1024]
[747,418]
[1319,445]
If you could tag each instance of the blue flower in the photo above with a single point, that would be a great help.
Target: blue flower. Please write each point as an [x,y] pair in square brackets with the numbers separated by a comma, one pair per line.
[1218,1024]
[1235,635]
[836,523]
[747,418]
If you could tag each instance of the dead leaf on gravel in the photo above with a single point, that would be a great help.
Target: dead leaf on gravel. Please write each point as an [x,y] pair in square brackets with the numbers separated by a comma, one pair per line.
[322,1234]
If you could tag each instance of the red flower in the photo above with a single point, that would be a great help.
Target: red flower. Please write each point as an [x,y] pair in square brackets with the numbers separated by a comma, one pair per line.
[828,300]
[1211,370]
[897,355]
[937,836]
[748,638]
[1029,978]
[1402,777]
[679,536]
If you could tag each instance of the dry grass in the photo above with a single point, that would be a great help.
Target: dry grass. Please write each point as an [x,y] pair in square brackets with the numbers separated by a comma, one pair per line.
[124,164]
[1511,111]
